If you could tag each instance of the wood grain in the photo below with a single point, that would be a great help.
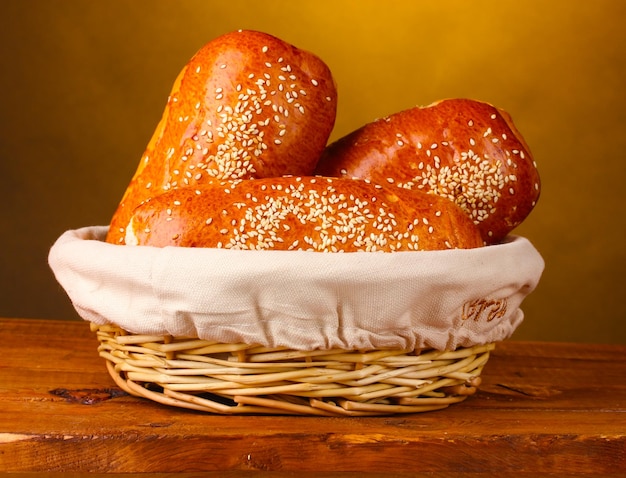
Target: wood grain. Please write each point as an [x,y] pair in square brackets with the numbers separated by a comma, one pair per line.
[542,408]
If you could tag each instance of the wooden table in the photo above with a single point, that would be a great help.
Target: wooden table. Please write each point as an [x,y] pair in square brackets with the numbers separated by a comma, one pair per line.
[542,408]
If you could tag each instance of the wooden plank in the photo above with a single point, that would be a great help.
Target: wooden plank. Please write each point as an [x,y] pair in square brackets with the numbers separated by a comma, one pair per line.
[543,407]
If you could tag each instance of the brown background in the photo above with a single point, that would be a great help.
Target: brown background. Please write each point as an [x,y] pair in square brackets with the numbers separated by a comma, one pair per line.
[84,82]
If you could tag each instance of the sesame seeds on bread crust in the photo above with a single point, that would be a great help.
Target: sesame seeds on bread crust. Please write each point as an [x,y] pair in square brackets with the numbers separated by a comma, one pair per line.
[302,213]
[247,105]
[240,160]
[465,150]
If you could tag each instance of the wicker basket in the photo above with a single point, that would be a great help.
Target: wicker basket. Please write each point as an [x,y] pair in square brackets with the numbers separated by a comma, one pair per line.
[339,335]
[248,379]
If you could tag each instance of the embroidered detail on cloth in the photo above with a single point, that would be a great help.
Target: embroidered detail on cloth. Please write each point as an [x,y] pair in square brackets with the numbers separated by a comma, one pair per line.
[485,309]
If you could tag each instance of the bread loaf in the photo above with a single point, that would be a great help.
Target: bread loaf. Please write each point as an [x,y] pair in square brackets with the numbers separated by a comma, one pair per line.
[302,213]
[464,150]
[247,105]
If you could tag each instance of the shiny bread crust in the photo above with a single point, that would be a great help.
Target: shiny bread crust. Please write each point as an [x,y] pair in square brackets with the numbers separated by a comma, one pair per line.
[247,105]
[302,213]
[465,150]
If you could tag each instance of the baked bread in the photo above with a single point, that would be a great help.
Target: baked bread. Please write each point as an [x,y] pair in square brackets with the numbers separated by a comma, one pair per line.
[461,149]
[302,213]
[247,105]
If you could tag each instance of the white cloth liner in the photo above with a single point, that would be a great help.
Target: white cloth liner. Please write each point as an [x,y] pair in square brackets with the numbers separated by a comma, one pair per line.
[300,300]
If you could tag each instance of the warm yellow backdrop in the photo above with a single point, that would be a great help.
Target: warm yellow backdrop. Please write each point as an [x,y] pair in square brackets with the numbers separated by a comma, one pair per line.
[83,84]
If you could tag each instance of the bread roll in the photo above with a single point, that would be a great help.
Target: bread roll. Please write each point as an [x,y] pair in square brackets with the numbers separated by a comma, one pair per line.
[247,105]
[302,213]
[464,150]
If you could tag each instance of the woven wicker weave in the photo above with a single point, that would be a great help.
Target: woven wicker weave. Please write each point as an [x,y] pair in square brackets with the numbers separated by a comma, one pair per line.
[248,379]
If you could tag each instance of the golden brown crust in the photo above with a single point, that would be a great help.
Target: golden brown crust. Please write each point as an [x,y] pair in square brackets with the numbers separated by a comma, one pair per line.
[247,105]
[465,150]
[302,213]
